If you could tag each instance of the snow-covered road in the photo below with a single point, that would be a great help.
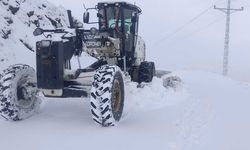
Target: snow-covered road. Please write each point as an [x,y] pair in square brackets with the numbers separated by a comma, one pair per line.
[208,112]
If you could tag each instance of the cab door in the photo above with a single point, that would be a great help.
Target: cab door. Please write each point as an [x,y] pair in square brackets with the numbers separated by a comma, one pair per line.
[130,32]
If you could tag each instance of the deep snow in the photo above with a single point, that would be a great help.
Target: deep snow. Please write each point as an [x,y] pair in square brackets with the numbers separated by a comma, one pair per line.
[207,112]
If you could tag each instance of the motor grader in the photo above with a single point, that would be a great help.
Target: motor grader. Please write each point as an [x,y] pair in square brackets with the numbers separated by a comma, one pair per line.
[120,54]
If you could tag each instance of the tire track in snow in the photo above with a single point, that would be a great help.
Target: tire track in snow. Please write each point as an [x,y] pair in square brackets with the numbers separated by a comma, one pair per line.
[194,119]
[194,113]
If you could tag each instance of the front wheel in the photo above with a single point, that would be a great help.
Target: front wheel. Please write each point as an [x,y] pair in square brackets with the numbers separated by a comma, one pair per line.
[107,96]
[18,92]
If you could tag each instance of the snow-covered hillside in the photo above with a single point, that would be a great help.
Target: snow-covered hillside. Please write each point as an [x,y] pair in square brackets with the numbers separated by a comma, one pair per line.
[18,19]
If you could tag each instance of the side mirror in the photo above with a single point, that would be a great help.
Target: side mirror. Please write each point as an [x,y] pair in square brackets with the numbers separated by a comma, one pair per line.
[38,31]
[86,17]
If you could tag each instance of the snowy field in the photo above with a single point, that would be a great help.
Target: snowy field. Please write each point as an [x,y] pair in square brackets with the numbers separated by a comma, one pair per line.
[208,111]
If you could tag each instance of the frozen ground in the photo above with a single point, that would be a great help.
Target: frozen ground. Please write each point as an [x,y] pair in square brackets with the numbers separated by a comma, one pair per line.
[208,112]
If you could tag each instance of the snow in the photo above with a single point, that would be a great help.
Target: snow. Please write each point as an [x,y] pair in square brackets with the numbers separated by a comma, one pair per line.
[11,48]
[208,111]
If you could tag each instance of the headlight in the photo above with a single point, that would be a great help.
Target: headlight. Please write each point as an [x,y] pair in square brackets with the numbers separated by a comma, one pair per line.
[93,31]
[108,43]
[45,43]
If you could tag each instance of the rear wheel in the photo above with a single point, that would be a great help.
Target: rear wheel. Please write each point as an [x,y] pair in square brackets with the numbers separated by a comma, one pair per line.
[146,72]
[18,92]
[107,96]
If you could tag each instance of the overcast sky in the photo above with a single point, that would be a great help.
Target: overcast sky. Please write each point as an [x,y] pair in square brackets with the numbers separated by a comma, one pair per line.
[201,41]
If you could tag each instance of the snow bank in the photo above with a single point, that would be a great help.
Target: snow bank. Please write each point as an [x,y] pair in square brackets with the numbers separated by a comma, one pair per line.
[18,19]
[208,112]
[153,95]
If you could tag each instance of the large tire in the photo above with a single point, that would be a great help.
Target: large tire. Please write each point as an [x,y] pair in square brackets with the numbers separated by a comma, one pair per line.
[18,92]
[146,72]
[107,96]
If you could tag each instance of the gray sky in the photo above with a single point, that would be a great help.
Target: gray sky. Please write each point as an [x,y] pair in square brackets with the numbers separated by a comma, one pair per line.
[202,41]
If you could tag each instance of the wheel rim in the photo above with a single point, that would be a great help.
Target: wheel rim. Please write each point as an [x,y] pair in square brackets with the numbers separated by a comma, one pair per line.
[25,93]
[117,96]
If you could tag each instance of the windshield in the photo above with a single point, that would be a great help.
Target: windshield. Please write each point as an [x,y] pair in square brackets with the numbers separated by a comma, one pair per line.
[110,18]
[127,20]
